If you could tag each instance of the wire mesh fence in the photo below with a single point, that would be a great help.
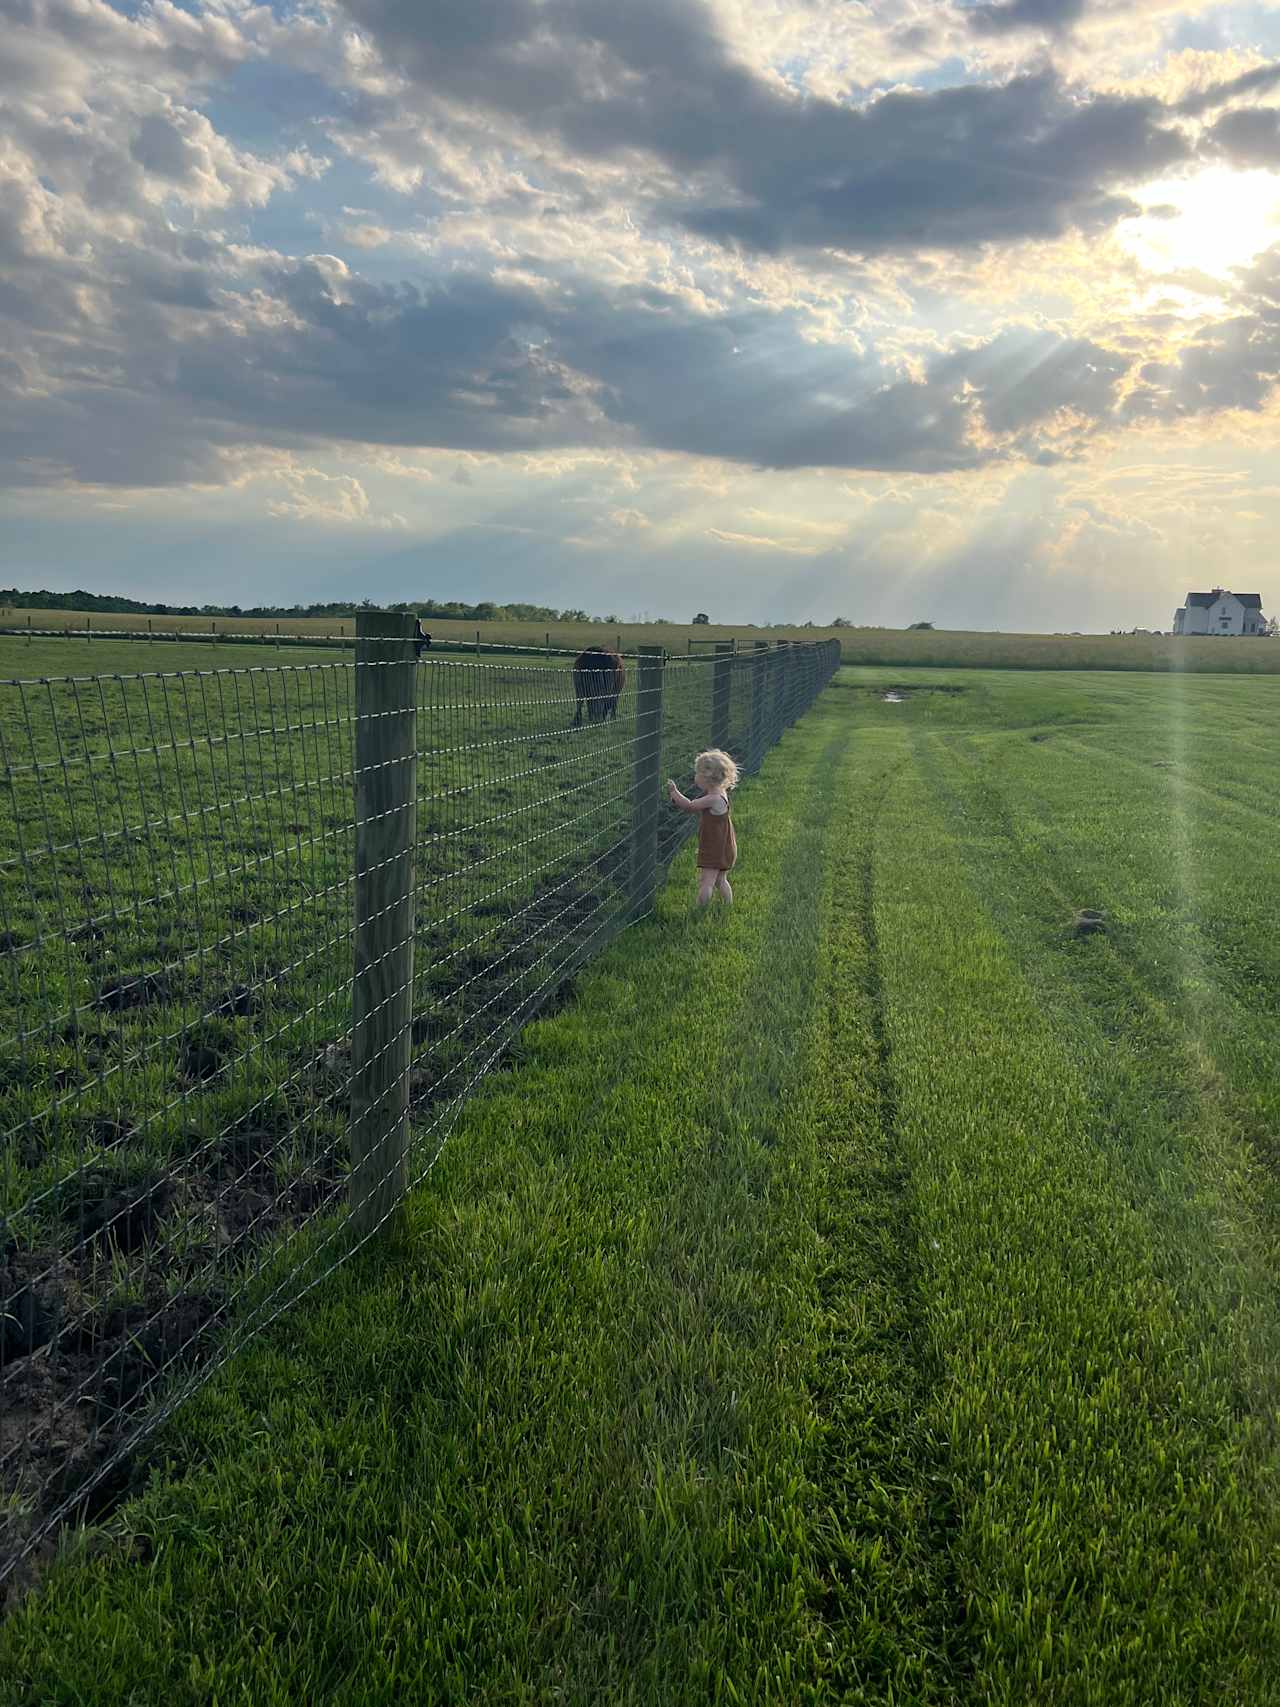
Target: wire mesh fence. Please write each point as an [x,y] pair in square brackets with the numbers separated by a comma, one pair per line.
[262,932]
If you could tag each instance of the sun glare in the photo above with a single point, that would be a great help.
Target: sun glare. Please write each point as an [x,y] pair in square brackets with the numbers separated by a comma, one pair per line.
[1213,222]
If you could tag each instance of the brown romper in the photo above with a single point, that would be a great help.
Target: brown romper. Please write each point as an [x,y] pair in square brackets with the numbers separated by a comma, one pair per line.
[717,844]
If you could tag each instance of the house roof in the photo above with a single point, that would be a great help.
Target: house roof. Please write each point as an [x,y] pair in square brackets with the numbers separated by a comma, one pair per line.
[1251,601]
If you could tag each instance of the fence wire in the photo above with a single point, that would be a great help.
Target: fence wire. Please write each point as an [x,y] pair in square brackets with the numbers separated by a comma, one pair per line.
[195,1041]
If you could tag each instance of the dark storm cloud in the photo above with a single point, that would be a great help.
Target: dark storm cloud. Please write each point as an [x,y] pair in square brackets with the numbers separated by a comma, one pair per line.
[481,366]
[1053,16]
[765,169]
[954,170]
[1248,137]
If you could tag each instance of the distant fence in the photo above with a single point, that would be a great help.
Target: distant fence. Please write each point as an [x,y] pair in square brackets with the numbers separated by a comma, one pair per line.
[262,931]
[228,631]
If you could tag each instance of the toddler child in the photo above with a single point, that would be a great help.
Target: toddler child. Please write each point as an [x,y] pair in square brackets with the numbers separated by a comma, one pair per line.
[715,774]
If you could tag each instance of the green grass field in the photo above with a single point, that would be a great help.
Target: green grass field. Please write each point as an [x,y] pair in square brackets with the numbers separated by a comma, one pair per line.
[867,1296]
[894,647]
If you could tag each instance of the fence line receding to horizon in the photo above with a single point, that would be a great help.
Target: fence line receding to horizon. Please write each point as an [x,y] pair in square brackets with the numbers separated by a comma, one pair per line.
[262,931]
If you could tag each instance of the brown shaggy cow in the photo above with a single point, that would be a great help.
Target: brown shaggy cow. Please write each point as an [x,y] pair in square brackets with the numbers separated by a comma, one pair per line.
[598,678]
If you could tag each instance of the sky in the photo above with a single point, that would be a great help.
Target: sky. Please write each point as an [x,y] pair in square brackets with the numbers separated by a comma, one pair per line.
[961,311]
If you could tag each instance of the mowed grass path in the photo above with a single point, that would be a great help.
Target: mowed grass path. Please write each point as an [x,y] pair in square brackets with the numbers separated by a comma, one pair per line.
[869,1297]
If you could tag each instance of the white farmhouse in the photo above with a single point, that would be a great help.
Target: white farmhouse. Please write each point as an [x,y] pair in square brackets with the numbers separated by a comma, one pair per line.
[1220,612]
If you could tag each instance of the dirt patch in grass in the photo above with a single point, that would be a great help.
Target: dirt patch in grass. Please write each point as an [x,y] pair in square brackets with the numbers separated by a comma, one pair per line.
[136,990]
[66,1412]
[1087,922]
[78,1377]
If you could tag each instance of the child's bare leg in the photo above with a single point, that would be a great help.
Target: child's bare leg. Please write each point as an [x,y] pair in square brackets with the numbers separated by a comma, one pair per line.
[706,883]
[723,886]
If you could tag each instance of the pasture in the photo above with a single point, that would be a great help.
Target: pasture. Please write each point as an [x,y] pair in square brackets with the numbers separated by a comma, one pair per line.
[869,1295]
[892,647]
[177,893]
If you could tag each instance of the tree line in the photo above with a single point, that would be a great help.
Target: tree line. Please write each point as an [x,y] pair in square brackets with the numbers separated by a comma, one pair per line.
[13,598]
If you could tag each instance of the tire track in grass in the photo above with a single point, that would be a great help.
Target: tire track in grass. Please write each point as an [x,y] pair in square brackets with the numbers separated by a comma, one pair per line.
[682,1585]
[1122,1537]
[888,1609]
[711,1413]
[1113,1547]
[1170,1115]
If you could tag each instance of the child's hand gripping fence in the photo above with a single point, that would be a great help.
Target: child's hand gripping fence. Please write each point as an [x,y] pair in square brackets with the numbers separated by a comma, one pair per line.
[240,1009]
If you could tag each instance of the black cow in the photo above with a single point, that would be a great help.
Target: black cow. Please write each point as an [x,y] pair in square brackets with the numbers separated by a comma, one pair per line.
[598,678]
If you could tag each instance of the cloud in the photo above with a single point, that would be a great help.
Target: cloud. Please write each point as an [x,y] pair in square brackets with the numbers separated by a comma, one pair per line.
[389,462]
[761,542]
[1052,16]
[150,362]
[955,169]
[328,498]
[104,104]
[364,234]
[1257,80]
[151,330]
[742,160]
[1248,136]
[1231,363]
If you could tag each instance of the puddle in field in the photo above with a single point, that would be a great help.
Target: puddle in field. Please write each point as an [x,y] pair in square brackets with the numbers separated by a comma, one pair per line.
[896,692]
[900,695]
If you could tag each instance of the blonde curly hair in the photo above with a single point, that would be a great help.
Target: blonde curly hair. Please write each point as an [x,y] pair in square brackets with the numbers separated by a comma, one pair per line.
[717,767]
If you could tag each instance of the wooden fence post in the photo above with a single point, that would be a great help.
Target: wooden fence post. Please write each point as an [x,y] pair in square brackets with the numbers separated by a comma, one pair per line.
[759,690]
[648,780]
[382,993]
[721,686]
[778,717]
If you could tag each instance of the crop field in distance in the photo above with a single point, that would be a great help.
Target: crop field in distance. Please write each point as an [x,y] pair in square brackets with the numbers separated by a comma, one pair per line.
[941,648]
[871,1295]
